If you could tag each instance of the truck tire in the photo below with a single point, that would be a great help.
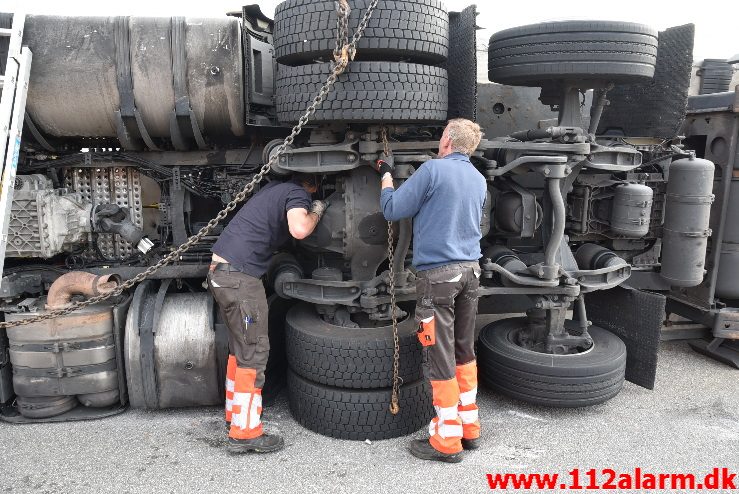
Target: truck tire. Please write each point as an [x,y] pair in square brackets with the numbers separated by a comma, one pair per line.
[359,358]
[577,380]
[358,414]
[622,52]
[412,30]
[366,92]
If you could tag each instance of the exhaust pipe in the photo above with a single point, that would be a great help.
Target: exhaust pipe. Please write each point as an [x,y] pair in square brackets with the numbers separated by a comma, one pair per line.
[79,283]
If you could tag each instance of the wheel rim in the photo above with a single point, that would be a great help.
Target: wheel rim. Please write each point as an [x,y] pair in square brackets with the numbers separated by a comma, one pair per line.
[513,338]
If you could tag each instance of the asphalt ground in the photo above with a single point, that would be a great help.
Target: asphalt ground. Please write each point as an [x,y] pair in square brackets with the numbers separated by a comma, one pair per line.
[688,424]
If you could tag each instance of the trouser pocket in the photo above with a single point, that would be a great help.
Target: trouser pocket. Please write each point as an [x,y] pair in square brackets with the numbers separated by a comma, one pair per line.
[249,320]
[426,326]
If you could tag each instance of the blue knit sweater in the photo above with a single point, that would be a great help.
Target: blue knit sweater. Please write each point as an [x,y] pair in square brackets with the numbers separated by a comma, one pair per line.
[445,198]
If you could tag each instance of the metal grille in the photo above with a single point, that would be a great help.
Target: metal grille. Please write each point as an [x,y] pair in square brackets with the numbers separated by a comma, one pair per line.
[119,185]
[25,228]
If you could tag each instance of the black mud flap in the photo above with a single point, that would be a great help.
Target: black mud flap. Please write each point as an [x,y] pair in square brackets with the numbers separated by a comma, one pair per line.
[636,317]
[657,108]
[462,64]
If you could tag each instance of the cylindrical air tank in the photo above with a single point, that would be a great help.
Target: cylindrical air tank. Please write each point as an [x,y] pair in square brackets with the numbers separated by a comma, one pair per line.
[631,210]
[687,213]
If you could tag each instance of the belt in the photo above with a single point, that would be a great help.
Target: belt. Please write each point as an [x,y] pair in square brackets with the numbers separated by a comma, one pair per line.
[224,266]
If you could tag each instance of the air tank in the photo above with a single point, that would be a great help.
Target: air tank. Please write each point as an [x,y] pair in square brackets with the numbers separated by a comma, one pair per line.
[687,213]
[631,210]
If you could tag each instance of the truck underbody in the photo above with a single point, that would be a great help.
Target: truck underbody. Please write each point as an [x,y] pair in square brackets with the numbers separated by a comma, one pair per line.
[593,221]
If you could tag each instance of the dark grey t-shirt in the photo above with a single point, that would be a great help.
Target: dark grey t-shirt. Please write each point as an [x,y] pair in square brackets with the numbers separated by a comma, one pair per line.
[260,227]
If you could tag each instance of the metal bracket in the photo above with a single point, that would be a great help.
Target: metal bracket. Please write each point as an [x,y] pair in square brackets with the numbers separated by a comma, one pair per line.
[143,319]
[321,159]
[129,124]
[182,124]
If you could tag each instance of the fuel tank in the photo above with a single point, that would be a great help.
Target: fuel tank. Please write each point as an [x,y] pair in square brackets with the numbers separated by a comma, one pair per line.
[140,76]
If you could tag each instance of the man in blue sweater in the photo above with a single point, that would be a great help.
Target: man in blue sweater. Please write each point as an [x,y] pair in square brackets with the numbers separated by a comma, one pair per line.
[445,198]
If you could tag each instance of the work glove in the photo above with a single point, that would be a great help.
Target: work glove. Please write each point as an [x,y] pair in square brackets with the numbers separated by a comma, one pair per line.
[386,164]
[319,207]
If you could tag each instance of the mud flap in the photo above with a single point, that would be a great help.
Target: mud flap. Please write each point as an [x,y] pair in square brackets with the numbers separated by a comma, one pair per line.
[656,108]
[462,64]
[636,317]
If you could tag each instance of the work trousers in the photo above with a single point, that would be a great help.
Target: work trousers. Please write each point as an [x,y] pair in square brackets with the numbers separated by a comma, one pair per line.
[243,305]
[445,311]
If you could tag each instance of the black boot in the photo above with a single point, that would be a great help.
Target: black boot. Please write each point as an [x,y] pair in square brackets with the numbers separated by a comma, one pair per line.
[471,443]
[421,448]
[266,443]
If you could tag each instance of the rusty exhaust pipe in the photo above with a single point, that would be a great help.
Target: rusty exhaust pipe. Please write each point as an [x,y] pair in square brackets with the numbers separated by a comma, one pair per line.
[79,283]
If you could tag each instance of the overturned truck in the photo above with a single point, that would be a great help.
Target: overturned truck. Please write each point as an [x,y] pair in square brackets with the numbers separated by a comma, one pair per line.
[139,130]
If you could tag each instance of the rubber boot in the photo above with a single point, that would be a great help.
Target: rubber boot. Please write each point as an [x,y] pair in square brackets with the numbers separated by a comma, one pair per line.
[266,443]
[421,448]
[470,443]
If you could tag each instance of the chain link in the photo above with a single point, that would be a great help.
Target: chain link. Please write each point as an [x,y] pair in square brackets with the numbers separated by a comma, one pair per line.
[342,27]
[394,405]
[339,67]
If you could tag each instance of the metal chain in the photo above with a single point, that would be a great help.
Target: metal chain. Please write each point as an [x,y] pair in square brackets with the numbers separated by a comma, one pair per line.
[338,68]
[342,27]
[394,405]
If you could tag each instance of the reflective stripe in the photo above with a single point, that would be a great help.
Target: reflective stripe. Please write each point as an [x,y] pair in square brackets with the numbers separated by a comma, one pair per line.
[449,430]
[255,411]
[245,413]
[469,416]
[448,413]
[445,430]
[427,320]
[230,385]
[455,279]
[468,397]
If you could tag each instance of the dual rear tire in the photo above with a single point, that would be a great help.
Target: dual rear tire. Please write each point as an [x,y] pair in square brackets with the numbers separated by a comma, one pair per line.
[395,77]
[339,379]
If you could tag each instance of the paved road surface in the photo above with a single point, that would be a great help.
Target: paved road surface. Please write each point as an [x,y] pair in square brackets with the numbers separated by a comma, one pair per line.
[690,423]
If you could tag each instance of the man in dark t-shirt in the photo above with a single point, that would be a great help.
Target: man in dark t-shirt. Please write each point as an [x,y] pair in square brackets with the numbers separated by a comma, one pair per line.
[241,256]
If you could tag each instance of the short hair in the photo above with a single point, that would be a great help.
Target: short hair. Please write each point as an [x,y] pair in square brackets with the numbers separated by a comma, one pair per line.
[464,134]
[309,179]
